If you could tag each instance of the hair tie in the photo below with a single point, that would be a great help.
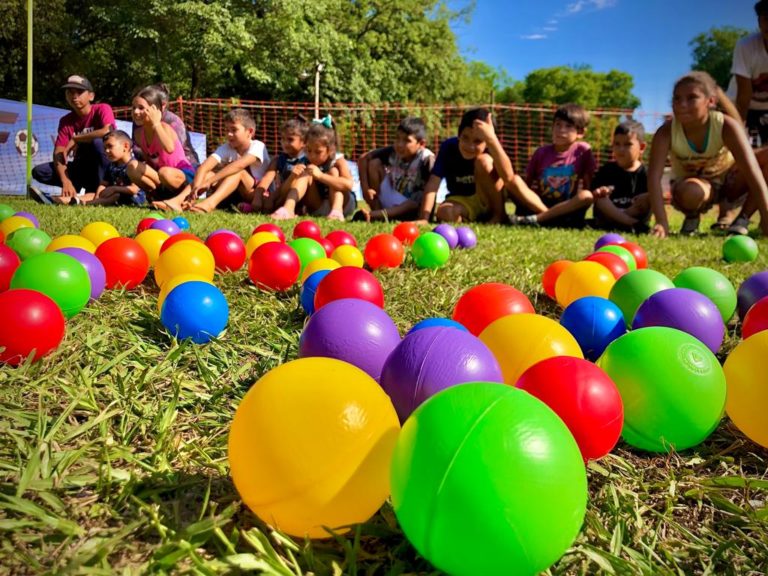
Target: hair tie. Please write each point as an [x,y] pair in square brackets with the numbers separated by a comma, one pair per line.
[327,121]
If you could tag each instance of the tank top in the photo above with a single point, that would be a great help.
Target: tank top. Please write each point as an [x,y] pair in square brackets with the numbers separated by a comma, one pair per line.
[158,158]
[712,163]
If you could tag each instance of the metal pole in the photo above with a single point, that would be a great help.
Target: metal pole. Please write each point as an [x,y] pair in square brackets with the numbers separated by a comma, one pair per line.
[29,91]
[318,69]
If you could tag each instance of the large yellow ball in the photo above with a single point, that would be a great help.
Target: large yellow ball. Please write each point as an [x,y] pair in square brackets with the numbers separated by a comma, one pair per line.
[152,240]
[311,445]
[582,279]
[185,257]
[9,225]
[98,232]
[347,255]
[71,241]
[317,265]
[257,240]
[747,387]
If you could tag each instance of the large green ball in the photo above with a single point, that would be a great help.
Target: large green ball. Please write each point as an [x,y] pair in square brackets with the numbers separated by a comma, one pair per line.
[28,242]
[430,250]
[486,479]
[739,249]
[634,288]
[59,276]
[672,387]
[6,212]
[713,285]
[308,250]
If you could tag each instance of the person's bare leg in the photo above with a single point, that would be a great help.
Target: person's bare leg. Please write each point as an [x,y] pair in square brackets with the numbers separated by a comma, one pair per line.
[491,188]
[143,175]
[691,195]
[582,199]
[223,190]
[525,196]
[376,176]
[294,196]
[449,212]
[613,213]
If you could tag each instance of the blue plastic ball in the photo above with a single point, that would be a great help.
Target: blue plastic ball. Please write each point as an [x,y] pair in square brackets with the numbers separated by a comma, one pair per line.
[196,310]
[594,322]
[432,322]
[181,222]
[308,290]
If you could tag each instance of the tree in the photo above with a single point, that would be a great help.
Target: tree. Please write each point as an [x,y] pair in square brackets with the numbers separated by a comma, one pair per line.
[713,52]
[582,85]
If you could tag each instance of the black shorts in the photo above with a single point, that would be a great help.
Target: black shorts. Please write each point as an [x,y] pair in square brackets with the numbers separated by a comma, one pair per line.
[757,125]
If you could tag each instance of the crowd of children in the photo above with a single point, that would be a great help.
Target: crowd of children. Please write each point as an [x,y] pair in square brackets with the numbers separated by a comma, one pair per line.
[712,164]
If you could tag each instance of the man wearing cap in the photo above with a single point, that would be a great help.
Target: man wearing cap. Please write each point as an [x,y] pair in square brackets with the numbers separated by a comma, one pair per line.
[80,132]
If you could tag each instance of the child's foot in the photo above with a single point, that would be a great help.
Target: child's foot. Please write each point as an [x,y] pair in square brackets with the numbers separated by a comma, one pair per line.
[67,200]
[336,215]
[740,227]
[171,205]
[361,215]
[201,208]
[282,213]
[690,226]
[529,220]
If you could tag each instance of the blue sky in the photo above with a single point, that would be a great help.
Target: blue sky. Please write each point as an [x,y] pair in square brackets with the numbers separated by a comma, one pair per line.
[646,38]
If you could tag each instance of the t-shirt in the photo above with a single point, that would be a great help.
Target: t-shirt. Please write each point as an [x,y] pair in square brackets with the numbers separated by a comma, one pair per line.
[407,177]
[554,175]
[459,172]
[99,116]
[750,60]
[116,175]
[225,154]
[626,184]
[181,131]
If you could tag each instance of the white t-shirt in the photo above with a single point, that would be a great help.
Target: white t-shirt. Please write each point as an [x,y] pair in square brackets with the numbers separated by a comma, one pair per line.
[750,60]
[225,154]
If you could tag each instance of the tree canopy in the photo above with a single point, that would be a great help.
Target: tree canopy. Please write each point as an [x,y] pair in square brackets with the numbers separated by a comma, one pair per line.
[713,52]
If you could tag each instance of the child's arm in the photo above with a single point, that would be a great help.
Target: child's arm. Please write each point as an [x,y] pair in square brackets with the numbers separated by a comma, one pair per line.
[234,167]
[269,176]
[659,152]
[428,202]
[501,161]
[165,133]
[199,182]
[343,182]
[100,188]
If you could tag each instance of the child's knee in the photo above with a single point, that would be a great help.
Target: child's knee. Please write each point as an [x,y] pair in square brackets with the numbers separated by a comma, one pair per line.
[585,197]
[689,195]
[483,166]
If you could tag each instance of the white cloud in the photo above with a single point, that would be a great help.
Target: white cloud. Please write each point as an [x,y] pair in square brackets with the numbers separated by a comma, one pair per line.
[534,37]
[550,28]
[580,5]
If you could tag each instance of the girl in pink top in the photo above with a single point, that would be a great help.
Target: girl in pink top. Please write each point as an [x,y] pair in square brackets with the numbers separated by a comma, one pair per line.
[166,173]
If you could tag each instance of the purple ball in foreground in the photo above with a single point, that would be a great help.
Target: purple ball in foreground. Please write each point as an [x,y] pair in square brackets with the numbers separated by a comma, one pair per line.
[610,238]
[29,216]
[221,231]
[751,290]
[433,359]
[355,331]
[685,310]
[449,233]
[168,226]
[467,237]
[93,266]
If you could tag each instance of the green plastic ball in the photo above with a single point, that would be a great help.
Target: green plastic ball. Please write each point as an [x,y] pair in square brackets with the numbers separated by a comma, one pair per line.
[621,252]
[713,285]
[672,387]
[486,479]
[59,276]
[28,242]
[430,250]
[634,287]
[156,216]
[739,249]
[6,212]
[307,250]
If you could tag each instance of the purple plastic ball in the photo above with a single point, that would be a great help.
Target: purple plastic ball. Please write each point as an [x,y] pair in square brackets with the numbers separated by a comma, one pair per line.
[449,233]
[168,226]
[29,216]
[610,238]
[467,237]
[93,266]
[221,231]
[355,331]
[751,290]
[433,359]
[685,310]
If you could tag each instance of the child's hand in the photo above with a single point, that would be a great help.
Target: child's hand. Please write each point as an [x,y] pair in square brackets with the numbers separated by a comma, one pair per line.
[485,128]
[298,169]
[603,191]
[660,231]
[312,170]
[155,115]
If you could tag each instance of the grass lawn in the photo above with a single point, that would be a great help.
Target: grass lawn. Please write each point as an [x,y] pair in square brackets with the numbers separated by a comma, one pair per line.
[113,449]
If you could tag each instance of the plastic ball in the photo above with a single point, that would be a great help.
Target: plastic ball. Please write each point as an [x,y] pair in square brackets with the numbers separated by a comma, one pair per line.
[307,249]
[751,290]
[308,289]
[327,246]
[29,216]
[6,211]
[349,282]
[307,229]
[433,359]
[319,264]
[9,225]
[98,232]
[32,324]
[348,256]
[70,241]
[228,252]
[551,274]
[168,226]
[58,276]
[484,303]
[245,207]
[406,232]
[222,231]
[257,240]
[125,262]
[93,266]
[384,251]
[186,257]
[27,242]
[176,238]
[435,322]
[582,279]
[467,237]
[584,397]
[622,253]
[272,228]
[9,262]
[340,238]
[684,310]
[756,319]
[2,237]
[595,322]
[352,330]
[152,242]
[177,281]
[274,266]
[481,490]
[672,386]
[641,258]
[430,250]
[713,285]
[181,222]
[332,430]
[195,310]
[144,224]
[610,238]
[156,216]
[634,288]
[615,265]
[739,249]
[449,233]
[747,392]
[520,340]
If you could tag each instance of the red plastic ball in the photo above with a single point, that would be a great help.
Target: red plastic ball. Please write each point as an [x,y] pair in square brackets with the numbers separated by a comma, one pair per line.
[340,238]
[2,237]
[327,246]
[484,303]
[349,282]
[551,274]
[641,258]
[274,266]
[384,251]
[125,262]
[614,263]
[270,227]
[406,232]
[144,224]
[585,398]
[9,261]
[31,322]
[171,240]
[307,229]
[756,319]
[228,251]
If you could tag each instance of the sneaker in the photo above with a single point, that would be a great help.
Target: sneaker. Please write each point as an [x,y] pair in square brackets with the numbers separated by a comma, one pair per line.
[690,226]
[529,220]
[740,227]
[38,195]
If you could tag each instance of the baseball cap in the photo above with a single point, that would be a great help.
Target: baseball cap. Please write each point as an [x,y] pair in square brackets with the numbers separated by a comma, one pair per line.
[79,82]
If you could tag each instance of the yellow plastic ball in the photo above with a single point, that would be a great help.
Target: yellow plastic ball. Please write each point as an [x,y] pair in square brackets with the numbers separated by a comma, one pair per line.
[582,279]
[317,265]
[347,255]
[747,387]
[519,341]
[175,281]
[185,257]
[9,225]
[257,240]
[152,240]
[311,444]
[71,241]
[98,232]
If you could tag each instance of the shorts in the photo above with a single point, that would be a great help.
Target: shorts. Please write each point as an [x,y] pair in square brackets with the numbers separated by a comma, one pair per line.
[757,126]
[189,174]
[138,199]
[718,188]
[475,205]
[389,197]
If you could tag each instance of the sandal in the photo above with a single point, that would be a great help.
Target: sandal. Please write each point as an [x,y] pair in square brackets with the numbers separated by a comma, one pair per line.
[282,214]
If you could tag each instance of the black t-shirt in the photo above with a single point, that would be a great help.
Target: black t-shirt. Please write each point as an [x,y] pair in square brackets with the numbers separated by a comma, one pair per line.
[459,173]
[626,184]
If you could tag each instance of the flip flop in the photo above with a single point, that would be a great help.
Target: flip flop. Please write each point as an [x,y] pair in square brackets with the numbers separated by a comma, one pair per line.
[282,214]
